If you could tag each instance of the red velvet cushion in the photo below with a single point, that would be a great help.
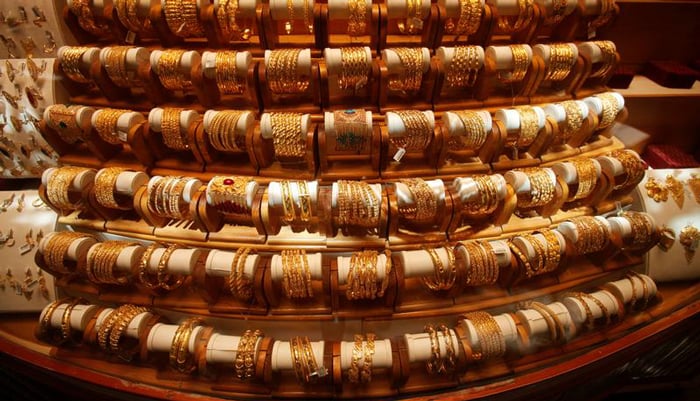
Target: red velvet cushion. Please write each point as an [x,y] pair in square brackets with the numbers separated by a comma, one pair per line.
[668,156]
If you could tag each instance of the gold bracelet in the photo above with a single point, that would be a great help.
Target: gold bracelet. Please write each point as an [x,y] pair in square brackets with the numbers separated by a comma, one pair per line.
[282,73]
[443,279]
[222,131]
[354,68]
[524,17]
[115,65]
[475,131]
[128,16]
[558,12]
[351,130]
[229,194]
[607,10]
[642,229]
[633,167]
[436,363]
[182,17]
[354,370]
[529,126]
[492,342]
[230,27]
[469,19]
[63,119]
[556,328]
[423,199]
[358,205]
[288,137]
[542,188]
[522,260]
[483,266]
[410,74]
[357,20]
[464,67]
[244,364]
[167,281]
[486,199]
[572,122]
[226,73]
[608,53]
[56,248]
[171,130]
[414,18]
[106,124]
[58,187]
[102,261]
[240,286]
[418,131]
[66,329]
[521,62]
[561,58]
[592,234]
[296,275]
[587,177]
[169,70]
[180,357]
[86,18]
[609,110]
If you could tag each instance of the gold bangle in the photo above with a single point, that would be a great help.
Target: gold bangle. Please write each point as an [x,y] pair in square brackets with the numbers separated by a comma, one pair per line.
[86,18]
[128,16]
[587,177]
[63,119]
[443,279]
[288,137]
[414,18]
[609,110]
[556,328]
[115,65]
[169,70]
[592,234]
[418,131]
[525,13]
[522,260]
[435,364]
[607,10]
[469,19]
[358,206]
[561,58]
[410,76]
[229,194]
[354,68]
[642,229]
[58,187]
[521,62]
[351,130]
[222,131]
[529,126]
[464,67]
[608,53]
[226,73]
[474,128]
[244,364]
[423,198]
[171,130]
[106,124]
[492,342]
[180,357]
[558,12]
[296,275]
[287,202]
[357,20]
[633,167]
[168,281]
[572,122]
[281,70]
[182,17]
[231,29]
[542,188]
[102,261]
[56,248]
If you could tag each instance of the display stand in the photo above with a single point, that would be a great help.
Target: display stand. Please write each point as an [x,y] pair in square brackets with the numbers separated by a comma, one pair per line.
[449,12]
[307,101]
[271,165]
[336,26]
[414,163]
[517,154]
[337,96]
[390,68]
[304,30]
[395,13]
[456,158]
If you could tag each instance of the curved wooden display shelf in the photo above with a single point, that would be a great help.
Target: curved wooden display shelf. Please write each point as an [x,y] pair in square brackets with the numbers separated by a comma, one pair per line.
[535,375]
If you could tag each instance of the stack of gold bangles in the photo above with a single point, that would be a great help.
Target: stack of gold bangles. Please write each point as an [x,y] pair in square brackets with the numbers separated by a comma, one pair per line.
[592,234]
[56,248]
[296,274]
[542,188]
[58,187]
[305,366]
[558,11]
[474,129]
[169,70]
[227,73]
[228,194]
[281,72]
[607,62]
[444,277]
[483,266]
[165,198]
[437,364]
[63,119]
[418,133]
[573,122]
[244,364]
[128,16]
[642,229]
[113,327]
[529,126]
[411,74]
[425,204]
[222,131]
[492,342]
[182,17]
[469,19]
[351,130]
[288,137]
[363,276]
[587,177]
[362,351]
[290,206]
[486,200]
[609,110]
[463,68]
[357,20]
[521,62]
[86,18]
[354,68]
[547,253]
[557,330]
[525,13]
[414,18]
[607,10]
[115,65]
[226,15]
[358,205]
[163,280]
[561,58]
[106,124]
[239,284]
[633,167]
[102,260]
[46,332]
[180,357]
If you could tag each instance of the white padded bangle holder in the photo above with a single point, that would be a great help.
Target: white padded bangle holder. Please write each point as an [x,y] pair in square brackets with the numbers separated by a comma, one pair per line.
[556,110]
[187,118]
[521,183]
[124,123]
[243,60]
[79,316]
[396,126]
[83,116]
[419,263]
[544,51]
[334,61]
[274,192]
[344,268]
[592,51]
[127,181]
[80,181]
[219,264]
[315,266]
[611,165]
[502,56]
[623,227]
[377,188]
[527,248]
[399,9]
[455,126]
[578,311]
[381,358]
[161,337]
[536,325]
[467,189]
[549,6]
[266,125]
[419,345]
[393,62]
[182,261]
[78,247]
[188,59]
[97,7]
[224,349]
[246,8]
[500,248]
[250,191]
[622,289]
[243,124]
[89,56]
[134,57]
[279,9]
[127,258]
[329,121]
[567,171]
[568,229]
[594,103]
[188,191]
[452,7]
[135,327]
[511,118]
[282,355]
[445,55]
[303,62]
[404,196]
[504,321]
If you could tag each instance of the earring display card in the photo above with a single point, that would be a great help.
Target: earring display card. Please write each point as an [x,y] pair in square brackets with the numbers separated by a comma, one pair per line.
[32,28]
[676,211]
[24,220]
[27,88]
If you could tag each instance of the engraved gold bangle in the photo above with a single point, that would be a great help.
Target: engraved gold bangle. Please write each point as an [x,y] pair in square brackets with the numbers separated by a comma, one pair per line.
[354,68]
[464,67]
[525,13]
[106,125]
[171,130]
[182,17]
[169,70]
[608,53]
[521,62]
[288,137]
[633,167]
[115,65]
[469,20]
[351,130]
[226,73]
[63,119]
[282,73]
[572,122]
[86,18]
[104,188]
[542,188]
[474,128]
[529,126]
[71,60]
[229,194]
[222,131]
[357,20]
[587,177]
[561,58]
[418,131]
[410,76]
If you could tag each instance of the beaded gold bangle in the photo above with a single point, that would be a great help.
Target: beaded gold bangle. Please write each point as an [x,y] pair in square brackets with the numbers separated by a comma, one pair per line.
[282,73]
[572,122]
[244,364]
[180,357]
[171,130]
[354,68]
[464,67]
[226,73]
[529,126]
[410,76]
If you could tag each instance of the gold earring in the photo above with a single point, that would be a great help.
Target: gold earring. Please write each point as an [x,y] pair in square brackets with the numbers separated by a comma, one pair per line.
[656,190]
[667,237]
[694,184]
[689,239]
[675,187]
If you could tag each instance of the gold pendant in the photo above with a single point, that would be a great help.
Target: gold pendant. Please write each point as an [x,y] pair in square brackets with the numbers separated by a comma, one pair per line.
[656,190]
[676,188]
[689,238]
[694,184]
